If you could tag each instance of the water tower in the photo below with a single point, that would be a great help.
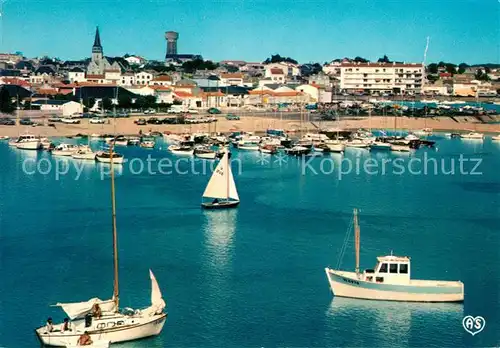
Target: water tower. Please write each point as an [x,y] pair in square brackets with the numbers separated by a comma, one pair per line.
[171,37]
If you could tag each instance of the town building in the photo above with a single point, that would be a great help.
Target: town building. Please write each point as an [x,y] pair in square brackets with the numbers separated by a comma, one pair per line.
[397,78]
[231,79]
[76,75]
[64,107]
[99,64]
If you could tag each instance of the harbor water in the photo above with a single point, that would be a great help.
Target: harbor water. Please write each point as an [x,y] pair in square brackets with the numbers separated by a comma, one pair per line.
[253,276]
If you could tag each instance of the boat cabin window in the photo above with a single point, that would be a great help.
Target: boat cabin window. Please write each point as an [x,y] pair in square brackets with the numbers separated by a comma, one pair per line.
[403,268]
[379,279]
[393,268]
[383,268]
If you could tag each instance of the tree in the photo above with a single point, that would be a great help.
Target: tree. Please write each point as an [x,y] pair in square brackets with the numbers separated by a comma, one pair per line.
[451,68]
[150,101]
[462,67]
[432,68]
[384,59]
[481,76]
[124,102]
[360,60]
[107,104]
[5,101]
[276,58]
[89,102]
[232,68]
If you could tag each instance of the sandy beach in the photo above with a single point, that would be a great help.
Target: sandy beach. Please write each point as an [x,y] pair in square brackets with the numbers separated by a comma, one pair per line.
[126,126]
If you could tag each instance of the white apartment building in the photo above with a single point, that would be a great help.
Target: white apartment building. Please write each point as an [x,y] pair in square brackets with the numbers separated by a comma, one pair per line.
[397,78]
[143,78]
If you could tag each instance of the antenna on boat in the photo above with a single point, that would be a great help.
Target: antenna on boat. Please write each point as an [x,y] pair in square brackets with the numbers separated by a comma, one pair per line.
[356,239]
[115,239]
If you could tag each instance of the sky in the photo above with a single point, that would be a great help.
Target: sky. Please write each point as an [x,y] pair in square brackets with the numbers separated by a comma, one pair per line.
[251,30]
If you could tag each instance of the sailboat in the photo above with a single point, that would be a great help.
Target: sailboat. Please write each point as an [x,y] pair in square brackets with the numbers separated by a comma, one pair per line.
[221,189]
[111,324]
[389,280]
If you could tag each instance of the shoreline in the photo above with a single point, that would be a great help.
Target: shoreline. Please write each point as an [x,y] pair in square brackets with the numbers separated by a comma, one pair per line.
[126,126]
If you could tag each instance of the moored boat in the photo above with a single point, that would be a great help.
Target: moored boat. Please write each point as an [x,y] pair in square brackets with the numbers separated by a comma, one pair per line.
[26,142]
[104,320]
[496,137]
[380,146]
[105,157]
[181,150]
[400,147]
[64,149]
[147,144]
[297,151]
[268,149]
[84,152]
[205,153]
[335,145]
[472,135]
[390,280]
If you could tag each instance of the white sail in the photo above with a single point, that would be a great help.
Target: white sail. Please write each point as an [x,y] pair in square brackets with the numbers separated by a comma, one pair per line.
[233,193]
[218,185]
[80,309]
[156,297]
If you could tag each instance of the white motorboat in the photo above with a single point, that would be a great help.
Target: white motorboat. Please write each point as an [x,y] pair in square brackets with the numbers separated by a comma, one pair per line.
[335,145]
[148,144]
[105,157]
[400,148]
[119,141]
[472,135]
[411,137]
[64,149]
[357,143]
[26,142]
[496,137]
[423,132]
[268,148]
[95,135]
[380,146]
[4,137]
[46,143]
[205,153]
[181,150]
[84,152]
[221,192]
[390,280]
[103,320]
[135,141]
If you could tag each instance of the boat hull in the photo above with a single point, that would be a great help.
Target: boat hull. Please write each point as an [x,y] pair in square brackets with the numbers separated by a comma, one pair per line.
[336,147]
[116,160]
[29,145]
[346,284]
[208,155]
[62,153]
[146,327]
[84,156]
[220,205]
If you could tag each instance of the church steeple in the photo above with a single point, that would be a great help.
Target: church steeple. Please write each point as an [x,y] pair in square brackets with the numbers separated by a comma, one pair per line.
[97,48]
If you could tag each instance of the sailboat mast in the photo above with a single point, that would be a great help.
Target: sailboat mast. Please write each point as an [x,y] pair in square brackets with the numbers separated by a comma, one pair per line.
[356,239]
[116,292]
[227,175]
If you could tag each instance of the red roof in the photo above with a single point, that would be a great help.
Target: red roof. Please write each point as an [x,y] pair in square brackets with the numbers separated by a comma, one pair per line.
[160,88]
[232,76]
[277,71]
[181,94]
[445,75]
[162,78]
[16,81]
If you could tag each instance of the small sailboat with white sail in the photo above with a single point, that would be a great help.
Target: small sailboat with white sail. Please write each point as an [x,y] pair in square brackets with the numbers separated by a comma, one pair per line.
[390,280]
[221,192]
[103,320]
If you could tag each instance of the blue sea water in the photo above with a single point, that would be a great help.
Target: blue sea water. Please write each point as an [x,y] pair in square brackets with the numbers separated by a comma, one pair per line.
[254,276]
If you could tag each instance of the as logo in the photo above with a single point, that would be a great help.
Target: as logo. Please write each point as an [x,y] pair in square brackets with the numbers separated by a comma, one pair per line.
[473,325]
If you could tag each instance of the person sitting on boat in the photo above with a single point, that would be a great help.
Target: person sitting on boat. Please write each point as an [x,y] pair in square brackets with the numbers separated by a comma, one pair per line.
[66,325]
[215,201]
[49,325]
[96,311]
[85,339]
